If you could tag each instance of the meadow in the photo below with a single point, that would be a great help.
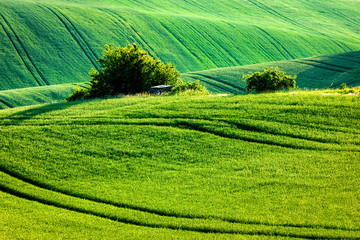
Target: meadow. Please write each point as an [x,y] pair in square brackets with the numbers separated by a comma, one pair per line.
[322,72]
[45,43]
[278,165]
[37,95]
[227,165]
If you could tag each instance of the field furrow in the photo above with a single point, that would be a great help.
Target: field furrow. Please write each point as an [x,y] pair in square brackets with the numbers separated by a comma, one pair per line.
[195,41]
[218,44]
[263,133]
[226,163]
[341,46]
[276,43]
[193,36]
[206,46]
[318,66]
[76,36]
[126,25]
[221,81]
[272,11]
[22,53]
[179,39]
[203,225]
[328,64]
[92,53]
[264,165]
[6,103]
[214,86]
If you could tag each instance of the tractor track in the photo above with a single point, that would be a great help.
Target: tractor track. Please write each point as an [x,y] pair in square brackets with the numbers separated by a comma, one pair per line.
[29,64]
[90,54]
[127,25]
[202,229]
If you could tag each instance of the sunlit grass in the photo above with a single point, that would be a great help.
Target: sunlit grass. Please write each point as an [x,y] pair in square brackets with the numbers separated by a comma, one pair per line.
[265,164]
[323,72]
[228,80]
[194,36]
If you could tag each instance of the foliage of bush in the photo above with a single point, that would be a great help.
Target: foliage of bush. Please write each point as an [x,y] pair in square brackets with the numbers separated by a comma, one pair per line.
[189,88]
[343,86]
[271,79]
[344,89]
[126,70]
[129,69]
[78,94]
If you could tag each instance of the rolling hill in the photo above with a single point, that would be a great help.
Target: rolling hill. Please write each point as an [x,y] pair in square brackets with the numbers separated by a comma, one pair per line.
[37,95]
[269,166]
[320,72]
[45,43]
[244,166]
[312,73]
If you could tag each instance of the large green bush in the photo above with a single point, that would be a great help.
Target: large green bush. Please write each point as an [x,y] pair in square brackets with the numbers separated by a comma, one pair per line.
[126,70]
[129,69]
[271,79]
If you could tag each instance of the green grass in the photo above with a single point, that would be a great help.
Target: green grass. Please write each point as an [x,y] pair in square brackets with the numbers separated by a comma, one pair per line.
[36,95]
[270,165]
[55,223]
[46,43]
[323,72]
[258,166]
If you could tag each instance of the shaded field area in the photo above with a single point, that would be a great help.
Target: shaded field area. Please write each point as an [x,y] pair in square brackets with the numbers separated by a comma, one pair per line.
[269,165]
[321,72]
[46,43]
[37,95]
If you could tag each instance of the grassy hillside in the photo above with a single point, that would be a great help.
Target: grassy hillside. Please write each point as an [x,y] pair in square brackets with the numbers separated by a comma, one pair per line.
[46,43]
[263,166]
[312,73]
[37,95]
[317,72]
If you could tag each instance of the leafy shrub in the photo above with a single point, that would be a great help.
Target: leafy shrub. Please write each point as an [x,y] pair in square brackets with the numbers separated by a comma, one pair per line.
[129,69]
[190,88]
[343,86]
[78,94]
[271,79]
[126,70]
[344,89]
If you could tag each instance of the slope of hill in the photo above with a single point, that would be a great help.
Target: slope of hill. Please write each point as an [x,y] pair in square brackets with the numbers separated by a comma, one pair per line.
[37,95]
[46,43]
[312,73]
[275,166]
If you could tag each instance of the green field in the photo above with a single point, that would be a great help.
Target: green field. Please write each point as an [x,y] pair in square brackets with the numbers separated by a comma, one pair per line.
[324,72]
[46,43]
[227,165]
[279,165]
[37,95]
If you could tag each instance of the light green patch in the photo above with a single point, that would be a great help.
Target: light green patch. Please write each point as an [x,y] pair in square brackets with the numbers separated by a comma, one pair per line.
[266,164]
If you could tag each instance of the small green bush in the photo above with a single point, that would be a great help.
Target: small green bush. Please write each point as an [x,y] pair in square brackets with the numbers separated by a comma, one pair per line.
[78,94]
[190,88]
[271,79]
[343,86]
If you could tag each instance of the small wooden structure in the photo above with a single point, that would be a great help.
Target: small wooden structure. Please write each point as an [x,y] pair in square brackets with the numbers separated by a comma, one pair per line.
[158,90]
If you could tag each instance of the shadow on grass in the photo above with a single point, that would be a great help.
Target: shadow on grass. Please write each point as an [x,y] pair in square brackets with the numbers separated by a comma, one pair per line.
[19,117]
